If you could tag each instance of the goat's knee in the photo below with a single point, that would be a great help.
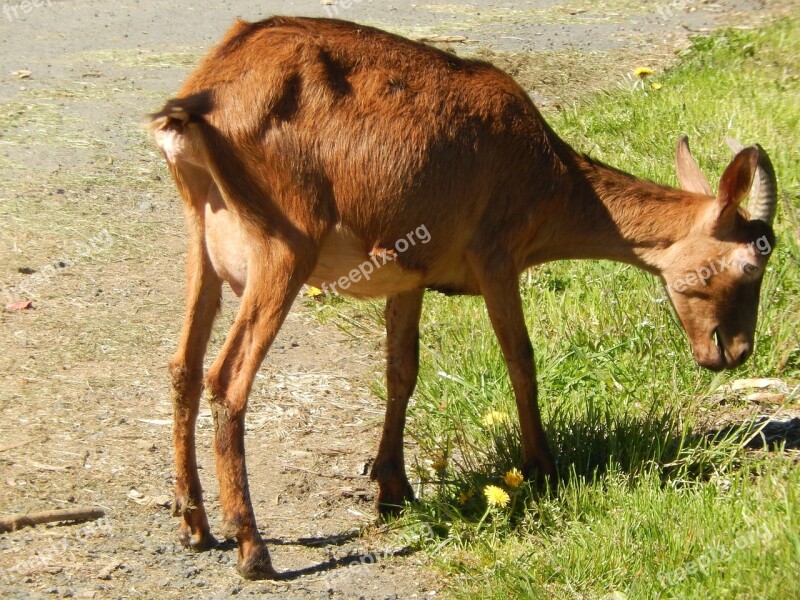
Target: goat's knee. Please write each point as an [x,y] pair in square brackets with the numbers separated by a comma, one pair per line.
[186,381]
[178,376]
[225,402]
[225,415]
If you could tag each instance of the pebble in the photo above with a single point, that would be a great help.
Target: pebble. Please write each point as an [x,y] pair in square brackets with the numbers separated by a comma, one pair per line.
[191,572]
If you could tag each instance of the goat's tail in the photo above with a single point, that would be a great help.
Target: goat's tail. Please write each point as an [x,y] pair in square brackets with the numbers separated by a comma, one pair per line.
[207,145]
[183,110]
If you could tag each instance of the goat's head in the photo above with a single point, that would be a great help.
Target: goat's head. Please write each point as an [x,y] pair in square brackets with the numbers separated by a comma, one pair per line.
[714,275]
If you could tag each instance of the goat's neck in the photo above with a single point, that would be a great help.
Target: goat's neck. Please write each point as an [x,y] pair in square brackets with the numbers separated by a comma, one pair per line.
[608,214]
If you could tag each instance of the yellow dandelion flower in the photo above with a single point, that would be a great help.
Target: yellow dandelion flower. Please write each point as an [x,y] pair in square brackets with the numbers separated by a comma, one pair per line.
[496,496]
[495,417]
[642,72]
[464,497]
[440,464]
[314,292]
[655,86]
[513,478]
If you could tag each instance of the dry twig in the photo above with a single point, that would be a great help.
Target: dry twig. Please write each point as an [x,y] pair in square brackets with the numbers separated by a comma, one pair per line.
[18,521]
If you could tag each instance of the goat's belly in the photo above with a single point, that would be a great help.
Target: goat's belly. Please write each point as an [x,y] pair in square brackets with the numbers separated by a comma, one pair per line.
[226,245]
[344,268]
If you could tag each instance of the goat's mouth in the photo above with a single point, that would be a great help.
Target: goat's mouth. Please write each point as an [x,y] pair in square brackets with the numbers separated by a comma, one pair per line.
[710,354]
[715,354]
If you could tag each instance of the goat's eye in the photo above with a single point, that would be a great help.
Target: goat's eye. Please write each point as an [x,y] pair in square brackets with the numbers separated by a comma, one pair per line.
[749,268]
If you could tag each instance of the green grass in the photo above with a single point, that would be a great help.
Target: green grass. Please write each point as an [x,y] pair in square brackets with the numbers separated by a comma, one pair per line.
[647,488]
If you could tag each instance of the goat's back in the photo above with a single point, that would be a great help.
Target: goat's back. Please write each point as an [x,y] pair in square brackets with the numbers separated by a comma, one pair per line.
[377,133]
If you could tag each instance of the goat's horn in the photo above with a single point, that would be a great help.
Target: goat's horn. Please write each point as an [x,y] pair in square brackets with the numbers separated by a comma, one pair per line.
[764,193]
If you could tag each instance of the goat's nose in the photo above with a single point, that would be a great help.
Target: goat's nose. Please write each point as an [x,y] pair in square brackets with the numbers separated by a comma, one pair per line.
[744,353]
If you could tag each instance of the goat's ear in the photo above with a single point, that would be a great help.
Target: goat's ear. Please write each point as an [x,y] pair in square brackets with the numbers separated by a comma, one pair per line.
[689,173]
[735,184]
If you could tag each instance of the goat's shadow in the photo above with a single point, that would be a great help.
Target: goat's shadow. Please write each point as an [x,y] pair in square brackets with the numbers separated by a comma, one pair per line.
[335,539]
[344,561]
[588,448]
[322,542]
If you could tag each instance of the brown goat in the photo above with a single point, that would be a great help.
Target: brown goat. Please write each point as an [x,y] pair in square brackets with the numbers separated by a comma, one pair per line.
[306,150]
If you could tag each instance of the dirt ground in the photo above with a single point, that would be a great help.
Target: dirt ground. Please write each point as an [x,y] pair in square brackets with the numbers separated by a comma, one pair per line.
[91,231]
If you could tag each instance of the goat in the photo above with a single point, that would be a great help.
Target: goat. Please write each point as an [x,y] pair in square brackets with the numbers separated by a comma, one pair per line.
[304,149]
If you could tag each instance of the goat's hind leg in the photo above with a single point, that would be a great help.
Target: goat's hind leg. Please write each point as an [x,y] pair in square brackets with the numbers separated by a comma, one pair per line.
[203,289]
[402,364]
[275,274]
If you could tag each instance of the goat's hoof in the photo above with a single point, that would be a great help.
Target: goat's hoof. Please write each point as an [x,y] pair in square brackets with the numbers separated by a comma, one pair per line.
[393,496]
[393,487]
[256,565]
[198,542]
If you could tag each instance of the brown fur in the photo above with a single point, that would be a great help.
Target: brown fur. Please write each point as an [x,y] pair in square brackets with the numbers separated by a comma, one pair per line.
[297,132]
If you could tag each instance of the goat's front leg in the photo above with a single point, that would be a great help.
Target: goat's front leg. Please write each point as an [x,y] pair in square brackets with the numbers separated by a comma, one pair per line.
[203,289]
[402,364]
[500,288]
[275,275]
